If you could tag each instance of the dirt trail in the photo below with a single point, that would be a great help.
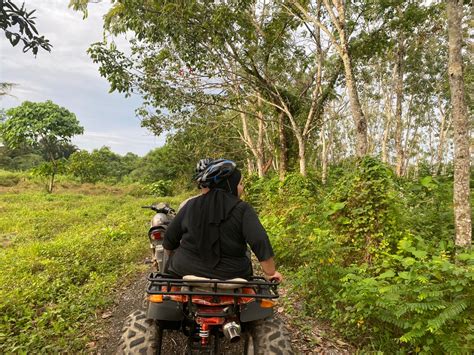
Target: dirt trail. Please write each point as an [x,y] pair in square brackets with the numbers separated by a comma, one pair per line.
[314,339]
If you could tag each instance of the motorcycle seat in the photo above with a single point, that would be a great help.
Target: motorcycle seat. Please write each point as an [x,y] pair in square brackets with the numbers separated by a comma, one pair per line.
[206,285]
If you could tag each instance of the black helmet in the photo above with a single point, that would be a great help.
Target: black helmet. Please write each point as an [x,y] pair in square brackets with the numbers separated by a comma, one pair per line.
[215,172]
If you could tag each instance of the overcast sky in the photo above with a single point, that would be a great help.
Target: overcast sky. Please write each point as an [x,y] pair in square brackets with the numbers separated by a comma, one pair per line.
[68,77]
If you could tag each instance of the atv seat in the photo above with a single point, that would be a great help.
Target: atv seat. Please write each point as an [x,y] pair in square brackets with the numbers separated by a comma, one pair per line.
[206,285]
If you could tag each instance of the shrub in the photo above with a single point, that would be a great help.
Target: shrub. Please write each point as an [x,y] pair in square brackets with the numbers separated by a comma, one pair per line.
[374,254]
[364,210]
[422,303]
[161,188]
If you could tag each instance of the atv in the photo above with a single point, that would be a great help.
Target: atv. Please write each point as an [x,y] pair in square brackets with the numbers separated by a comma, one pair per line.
[209,314]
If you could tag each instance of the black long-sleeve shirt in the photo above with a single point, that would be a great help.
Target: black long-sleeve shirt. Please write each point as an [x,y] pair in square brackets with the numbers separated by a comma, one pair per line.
[241,228]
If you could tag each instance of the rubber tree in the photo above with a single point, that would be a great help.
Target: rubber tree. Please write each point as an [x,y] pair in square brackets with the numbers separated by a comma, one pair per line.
[192,55]
[336,11]
[461,125]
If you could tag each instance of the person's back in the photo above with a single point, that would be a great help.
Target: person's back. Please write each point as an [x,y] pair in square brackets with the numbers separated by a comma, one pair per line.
[210,233]
[240,228]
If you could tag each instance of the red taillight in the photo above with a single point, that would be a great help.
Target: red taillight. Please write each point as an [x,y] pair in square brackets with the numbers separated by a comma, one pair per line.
[156,235]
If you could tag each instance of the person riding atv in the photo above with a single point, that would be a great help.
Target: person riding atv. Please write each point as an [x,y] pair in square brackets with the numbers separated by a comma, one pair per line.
[207,291]
[209,235]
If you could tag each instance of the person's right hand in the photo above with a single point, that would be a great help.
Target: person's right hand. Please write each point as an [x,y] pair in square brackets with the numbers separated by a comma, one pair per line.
[275,277]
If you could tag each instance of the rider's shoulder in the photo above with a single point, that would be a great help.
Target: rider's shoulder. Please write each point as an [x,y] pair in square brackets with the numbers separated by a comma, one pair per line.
[186,202]
[244,206]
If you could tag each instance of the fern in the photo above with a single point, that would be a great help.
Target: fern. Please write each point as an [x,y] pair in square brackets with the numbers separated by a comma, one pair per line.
[421,307]
[412,335]
[448,314]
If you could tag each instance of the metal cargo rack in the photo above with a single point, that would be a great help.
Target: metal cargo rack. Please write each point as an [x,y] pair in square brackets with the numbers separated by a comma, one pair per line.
[160,284]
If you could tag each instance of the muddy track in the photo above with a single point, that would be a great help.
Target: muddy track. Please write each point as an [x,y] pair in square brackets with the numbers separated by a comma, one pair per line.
[315,339]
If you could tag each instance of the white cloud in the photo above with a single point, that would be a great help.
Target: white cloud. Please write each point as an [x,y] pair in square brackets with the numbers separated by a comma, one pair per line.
[119,141]
[68,77]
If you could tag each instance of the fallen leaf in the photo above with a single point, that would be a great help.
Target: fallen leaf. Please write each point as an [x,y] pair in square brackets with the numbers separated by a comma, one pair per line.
[106,315]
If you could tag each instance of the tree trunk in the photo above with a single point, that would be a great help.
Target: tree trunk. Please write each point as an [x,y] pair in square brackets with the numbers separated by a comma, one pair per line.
[398,108]
[250,166]
[356,110]
[324,158]
[260,141]
[431,147]
[342,47]
[283,141]
[387,126]
[270,147]
[360,120]
[442,139]
[256,149]
[302,154]
[462,208]
[51,182]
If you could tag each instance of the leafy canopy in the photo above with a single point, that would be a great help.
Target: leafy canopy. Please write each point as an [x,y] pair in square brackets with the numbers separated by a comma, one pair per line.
[39,124]
[19,25]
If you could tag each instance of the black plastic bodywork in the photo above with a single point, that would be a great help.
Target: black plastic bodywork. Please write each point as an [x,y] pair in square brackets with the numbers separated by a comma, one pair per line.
[253,311]
[167,310]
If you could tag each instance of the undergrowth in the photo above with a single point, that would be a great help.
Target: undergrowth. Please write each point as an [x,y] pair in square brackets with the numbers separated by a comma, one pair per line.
[373,254]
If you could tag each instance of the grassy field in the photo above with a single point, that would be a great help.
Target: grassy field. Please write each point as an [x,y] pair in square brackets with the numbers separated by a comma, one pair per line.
[61,256]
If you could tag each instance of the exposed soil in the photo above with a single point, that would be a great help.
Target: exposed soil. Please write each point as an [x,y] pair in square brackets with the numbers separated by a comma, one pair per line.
[314,338]
[129,297]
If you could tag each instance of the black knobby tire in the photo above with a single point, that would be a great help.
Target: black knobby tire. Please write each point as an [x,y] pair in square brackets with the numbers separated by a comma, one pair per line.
[268,336]
[140,335]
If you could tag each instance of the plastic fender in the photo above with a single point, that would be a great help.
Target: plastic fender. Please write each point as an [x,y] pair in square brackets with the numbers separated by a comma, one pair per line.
[252,311]
[166,310]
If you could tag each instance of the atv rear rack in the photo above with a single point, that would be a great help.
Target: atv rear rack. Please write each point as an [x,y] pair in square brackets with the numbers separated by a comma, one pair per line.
[162,285]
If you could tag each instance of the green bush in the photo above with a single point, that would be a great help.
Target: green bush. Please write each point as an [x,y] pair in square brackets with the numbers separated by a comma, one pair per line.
[420,302]
[373,254]
[364,210]
[161,188]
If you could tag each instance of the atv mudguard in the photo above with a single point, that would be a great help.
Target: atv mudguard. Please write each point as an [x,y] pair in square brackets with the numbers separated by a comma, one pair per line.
[167,310]
[253,311]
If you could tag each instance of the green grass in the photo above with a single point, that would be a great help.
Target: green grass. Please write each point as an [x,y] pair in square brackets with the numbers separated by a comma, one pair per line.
[8,178]
[61,256]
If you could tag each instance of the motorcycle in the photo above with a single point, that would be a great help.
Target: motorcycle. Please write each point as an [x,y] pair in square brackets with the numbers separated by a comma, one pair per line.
[206,311]
[156,233]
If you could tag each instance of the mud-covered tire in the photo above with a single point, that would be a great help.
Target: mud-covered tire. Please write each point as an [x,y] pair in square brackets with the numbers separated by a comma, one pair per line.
[268,336]
[139,335]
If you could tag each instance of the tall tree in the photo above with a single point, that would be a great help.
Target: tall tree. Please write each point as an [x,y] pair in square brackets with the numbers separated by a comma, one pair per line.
[399,103]
[462,207]
[200,54]
[42,125]
[336,11]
